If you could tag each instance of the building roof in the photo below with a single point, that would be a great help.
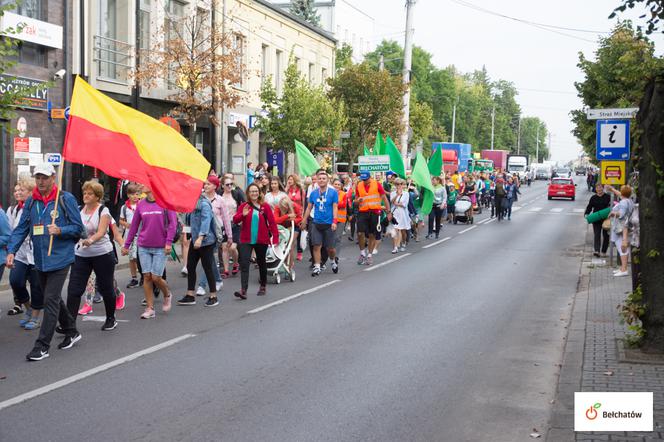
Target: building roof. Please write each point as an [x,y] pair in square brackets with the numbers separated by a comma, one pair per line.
[298,20]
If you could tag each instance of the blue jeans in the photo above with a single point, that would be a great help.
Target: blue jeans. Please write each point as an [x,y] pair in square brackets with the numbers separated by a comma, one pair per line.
[153,260]
[18,278]
[202,280]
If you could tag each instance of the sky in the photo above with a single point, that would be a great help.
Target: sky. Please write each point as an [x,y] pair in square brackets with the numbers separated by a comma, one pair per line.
[540,63]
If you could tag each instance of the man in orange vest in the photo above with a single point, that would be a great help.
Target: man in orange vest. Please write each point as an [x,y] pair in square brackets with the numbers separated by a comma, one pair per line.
[369,195]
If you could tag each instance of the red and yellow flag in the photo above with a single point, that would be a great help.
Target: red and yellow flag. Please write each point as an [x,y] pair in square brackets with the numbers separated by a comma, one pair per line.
[128,144]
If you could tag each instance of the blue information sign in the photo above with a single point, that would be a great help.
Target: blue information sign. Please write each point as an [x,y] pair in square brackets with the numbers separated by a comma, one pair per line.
[613,140]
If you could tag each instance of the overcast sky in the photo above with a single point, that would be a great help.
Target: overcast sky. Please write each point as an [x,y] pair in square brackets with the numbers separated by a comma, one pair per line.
[534,59]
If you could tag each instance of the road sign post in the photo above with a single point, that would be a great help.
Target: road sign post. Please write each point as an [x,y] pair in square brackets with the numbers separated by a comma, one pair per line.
[621,114]
[613,140]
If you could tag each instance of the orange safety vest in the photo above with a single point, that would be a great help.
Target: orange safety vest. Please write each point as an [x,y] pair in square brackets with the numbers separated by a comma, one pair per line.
[371,198]
[341,211]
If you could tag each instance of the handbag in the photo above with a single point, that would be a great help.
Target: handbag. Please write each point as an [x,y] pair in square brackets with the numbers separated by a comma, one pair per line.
[606,224]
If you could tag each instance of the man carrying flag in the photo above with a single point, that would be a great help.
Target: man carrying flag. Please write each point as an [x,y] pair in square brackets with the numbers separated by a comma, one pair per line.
[50,213]
[368,197]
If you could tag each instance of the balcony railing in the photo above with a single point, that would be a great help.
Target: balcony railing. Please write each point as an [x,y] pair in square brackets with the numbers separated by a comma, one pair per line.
[114,59]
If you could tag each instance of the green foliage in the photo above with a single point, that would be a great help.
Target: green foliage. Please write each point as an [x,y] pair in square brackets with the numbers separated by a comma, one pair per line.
[631,313]
[305,10]
[372,101]
[616,78]
[529,134]
[344,57]
[421,121]
[655,13]
[303,112]
[653,254]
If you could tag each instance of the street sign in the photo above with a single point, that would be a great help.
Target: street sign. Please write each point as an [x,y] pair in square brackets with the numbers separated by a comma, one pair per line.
[345,134]
[53,158]
[373,163]
[601,114]
[613,173]
[612,140]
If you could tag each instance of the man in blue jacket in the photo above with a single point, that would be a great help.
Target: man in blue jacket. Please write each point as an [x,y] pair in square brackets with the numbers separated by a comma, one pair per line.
[37,221]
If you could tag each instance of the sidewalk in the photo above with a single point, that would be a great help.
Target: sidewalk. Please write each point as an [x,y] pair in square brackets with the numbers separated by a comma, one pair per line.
[594,359]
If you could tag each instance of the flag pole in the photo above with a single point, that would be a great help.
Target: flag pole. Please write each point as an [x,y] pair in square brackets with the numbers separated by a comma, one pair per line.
[54,214]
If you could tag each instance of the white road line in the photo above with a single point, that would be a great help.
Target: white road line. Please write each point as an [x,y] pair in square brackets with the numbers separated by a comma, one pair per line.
[483,221]
[516,208]
[466,230]
[557,209]
[290,298]
[389,261]
[436,243]
[491,220]
[535,209]
[93,371]
[100,319]
[579,210]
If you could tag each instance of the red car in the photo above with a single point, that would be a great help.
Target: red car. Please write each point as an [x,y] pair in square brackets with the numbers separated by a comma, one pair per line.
[562,188]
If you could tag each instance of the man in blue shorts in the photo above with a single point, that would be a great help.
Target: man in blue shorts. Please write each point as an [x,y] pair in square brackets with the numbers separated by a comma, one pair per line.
[323,201]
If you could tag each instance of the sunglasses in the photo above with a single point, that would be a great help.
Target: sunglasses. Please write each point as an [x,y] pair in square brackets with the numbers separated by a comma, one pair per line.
[228,184]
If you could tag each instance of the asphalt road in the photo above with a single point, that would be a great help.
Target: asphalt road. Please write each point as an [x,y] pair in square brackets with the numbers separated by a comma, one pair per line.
[459,341]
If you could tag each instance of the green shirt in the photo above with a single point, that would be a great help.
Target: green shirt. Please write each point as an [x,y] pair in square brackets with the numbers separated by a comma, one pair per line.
[452,197]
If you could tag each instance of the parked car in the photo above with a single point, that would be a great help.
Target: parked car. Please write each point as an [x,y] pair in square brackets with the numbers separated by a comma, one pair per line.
[562,188]
[580,170]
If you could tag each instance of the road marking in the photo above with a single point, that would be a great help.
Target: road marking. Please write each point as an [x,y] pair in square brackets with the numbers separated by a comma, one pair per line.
[466,230]
[436,243]
[535,209]
[491,220]
[579,210]
[516,208]
[483,221]
[291,297]
[93,371]
[557,209]
[87,318]
[389,261]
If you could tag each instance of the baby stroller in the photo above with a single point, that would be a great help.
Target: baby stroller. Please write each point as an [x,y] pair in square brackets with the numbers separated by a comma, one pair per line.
[277,256]
[463,211]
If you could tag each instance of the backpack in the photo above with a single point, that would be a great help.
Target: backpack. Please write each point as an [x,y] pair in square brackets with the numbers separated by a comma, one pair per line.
[178,227]
[109,233]
[500,190]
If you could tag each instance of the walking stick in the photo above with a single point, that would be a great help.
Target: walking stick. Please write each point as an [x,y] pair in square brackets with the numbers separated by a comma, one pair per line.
[54,214]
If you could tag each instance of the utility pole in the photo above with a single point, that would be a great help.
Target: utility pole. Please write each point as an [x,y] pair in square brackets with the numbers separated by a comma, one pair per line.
[454,117]
[221,134]
[537,148]
[381,63]
[493,122]
[407,61]
[518,139]
[549,143]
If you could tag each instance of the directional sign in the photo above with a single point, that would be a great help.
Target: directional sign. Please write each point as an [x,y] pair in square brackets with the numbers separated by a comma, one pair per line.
[613,140]
[373,163]
[53,158]
[601,114]
[613,172]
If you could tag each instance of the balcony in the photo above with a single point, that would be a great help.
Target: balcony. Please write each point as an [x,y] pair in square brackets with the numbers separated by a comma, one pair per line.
[114,59]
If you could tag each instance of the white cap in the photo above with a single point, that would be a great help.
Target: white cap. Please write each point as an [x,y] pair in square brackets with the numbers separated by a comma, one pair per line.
[44,169]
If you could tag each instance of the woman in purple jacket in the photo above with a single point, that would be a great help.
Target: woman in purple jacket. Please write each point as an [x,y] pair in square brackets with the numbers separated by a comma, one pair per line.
[158,227]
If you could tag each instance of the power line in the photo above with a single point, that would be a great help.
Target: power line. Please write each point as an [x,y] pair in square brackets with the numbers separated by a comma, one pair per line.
[545,27]
[545,91]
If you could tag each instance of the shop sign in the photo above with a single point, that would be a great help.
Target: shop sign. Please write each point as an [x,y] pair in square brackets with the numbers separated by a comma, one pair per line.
[29,29]
[36,98]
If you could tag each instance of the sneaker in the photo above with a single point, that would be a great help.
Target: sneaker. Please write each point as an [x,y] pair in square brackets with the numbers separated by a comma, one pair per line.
[69,341]
[261,291]
[315,271]
[32,324]
[187,300]
[120,301]
[242,294]
[59,330]
[236,268]
[402,248]
[226,274]
[26,318]
[375,252]
[148,313]
[361,260]
[220,285]
[155,290]
[37,354]
[144,302]
[335,265]
[85,310]
[299,256]
[97,298]
[184,271]
[110,324]
[133,283]
[395,250]
[619,274]
[368,261]
[200,291]
[596,254]
[323,267]
[16,310]
[166,306]
[212,301]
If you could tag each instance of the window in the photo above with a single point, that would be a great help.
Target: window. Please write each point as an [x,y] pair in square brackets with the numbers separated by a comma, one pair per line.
[264,55]
[238,48]
[323,75]
[26,8]
[297,63]
[144,25]
[112,53]
[311,73]
[277,70]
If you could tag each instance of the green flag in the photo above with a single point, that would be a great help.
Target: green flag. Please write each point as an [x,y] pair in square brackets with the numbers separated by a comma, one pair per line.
[366,150]
[422,178]
[436,162]
[396,162]
[379,145]
[306,162]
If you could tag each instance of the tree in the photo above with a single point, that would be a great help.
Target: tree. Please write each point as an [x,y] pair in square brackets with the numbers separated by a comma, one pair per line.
[344,57]
[529,133]
[616,78]
[655,9]
[305,10]
[421,122]
[303,112]
[197,63]
[8,59]
[372,102]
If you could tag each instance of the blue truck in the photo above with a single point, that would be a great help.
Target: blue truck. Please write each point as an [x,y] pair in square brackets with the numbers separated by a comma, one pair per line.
[463,151]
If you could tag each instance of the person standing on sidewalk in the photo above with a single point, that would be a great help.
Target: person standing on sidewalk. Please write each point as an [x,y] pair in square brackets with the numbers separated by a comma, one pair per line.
[158,228]
[599,201]
[323,201]
[42,221]
[620,215]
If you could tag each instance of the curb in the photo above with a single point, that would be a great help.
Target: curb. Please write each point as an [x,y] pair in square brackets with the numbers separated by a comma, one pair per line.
[561,423]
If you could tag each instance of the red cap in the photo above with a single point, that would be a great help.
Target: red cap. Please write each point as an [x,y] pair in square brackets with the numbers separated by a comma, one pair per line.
[214,179]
